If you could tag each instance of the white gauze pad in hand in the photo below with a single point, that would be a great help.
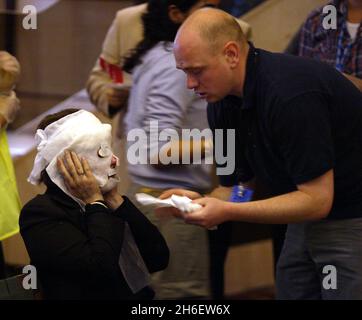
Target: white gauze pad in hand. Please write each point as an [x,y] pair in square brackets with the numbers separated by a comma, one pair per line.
[182,203]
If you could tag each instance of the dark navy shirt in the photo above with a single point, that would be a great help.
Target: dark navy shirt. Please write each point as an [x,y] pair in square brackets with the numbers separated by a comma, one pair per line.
[298,119]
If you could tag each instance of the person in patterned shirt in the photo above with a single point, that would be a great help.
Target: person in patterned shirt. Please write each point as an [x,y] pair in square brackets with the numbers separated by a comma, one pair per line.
[340,47]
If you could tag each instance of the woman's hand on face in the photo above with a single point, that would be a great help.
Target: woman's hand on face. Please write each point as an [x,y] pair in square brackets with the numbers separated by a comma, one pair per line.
[78,177]
[113,199]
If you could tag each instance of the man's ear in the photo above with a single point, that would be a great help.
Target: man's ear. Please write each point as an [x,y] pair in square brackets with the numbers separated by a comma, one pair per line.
[232,53]
[175,14]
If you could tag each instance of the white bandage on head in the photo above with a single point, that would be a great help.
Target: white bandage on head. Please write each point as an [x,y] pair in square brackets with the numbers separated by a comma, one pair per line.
[83,133]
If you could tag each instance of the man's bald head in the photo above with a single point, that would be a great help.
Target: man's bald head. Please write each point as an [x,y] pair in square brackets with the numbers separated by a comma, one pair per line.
[212,51]
[215,27]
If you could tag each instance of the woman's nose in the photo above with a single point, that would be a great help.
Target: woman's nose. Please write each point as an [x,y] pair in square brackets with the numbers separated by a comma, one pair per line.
[114,161]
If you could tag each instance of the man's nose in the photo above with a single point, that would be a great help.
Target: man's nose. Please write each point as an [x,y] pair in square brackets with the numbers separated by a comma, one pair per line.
[192,83]
[114,161]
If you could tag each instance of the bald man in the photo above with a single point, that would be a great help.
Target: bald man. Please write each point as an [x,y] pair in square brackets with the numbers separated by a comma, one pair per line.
[299,133]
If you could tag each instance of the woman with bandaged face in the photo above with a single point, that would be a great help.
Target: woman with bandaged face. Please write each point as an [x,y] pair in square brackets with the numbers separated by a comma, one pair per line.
[86,240]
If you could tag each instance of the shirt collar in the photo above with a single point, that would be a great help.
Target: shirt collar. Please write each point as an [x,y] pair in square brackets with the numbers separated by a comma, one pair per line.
[250,77]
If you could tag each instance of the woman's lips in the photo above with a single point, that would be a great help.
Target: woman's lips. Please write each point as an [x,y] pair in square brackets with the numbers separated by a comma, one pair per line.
[112,174]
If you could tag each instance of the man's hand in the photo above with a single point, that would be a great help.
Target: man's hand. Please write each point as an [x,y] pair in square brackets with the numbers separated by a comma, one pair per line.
[113,199]
[117,96]
[212,213]
[166,212]
[79,178]
[180,192]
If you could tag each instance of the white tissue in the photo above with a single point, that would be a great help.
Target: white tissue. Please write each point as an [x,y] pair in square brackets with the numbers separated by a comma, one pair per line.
[182,203]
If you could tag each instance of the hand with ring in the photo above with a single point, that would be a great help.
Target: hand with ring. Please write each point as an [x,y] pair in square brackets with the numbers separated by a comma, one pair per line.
[78,177]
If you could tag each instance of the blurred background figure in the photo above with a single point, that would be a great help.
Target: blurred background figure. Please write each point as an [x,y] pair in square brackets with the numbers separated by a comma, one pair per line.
[159,94]
[340,47]
[238,7]
[9,106]
[125,33]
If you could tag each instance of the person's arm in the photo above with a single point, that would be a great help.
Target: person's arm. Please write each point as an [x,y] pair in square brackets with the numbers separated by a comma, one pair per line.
[312,201]
[221,193]
[194,149]
[306,148]
[168,103]
[108,100]
[356,81]
[149,240]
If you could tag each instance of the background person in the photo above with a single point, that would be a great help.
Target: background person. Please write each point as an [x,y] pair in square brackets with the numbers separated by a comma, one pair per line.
[313,41]
[341,48]
[158,94]
[9,107]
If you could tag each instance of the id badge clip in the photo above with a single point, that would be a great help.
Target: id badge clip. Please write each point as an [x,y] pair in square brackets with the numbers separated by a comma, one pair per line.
[241,194]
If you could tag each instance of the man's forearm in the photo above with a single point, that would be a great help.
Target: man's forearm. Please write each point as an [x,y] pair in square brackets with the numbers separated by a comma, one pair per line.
[292,207]
[220,192]
[224,193]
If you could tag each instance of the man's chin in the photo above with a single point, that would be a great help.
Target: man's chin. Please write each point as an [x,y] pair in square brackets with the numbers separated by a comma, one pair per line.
[212,99]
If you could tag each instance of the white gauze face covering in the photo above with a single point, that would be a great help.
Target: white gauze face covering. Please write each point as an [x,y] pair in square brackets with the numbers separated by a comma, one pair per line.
[83,133]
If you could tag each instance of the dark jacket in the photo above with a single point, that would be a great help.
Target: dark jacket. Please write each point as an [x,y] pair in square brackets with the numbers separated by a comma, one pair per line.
[76,253]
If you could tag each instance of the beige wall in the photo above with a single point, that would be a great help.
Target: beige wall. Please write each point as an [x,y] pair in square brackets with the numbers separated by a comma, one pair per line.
[57,57]
[276,21]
